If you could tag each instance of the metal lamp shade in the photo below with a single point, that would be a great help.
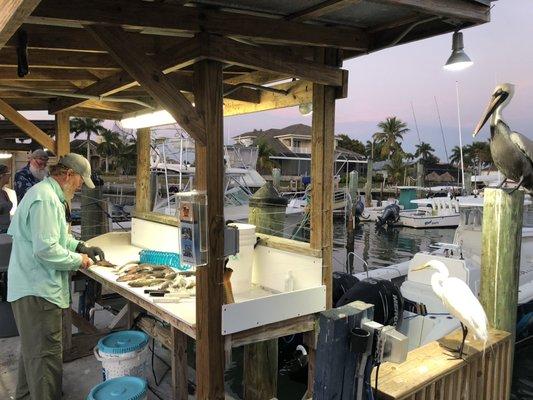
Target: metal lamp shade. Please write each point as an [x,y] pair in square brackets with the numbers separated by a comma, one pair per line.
[458,59]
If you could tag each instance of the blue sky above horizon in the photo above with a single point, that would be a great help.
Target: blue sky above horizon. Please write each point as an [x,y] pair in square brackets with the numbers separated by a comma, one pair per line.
[385,83]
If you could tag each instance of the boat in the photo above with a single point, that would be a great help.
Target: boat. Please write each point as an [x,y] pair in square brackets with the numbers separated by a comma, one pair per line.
[440,211]
[426,319]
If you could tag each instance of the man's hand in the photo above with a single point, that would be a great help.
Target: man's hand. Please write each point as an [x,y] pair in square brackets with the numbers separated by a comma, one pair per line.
[86,262]
[92,252]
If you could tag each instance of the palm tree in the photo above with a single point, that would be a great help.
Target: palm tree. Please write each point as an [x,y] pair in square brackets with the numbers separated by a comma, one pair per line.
[126,159]
[89,126]
[264,151]
[424,150]
[479,153]
[109,146]
[395,169]
[390,136]
[455,157]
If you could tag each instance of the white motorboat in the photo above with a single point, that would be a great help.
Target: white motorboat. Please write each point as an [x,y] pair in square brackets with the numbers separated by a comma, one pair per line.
[463,260]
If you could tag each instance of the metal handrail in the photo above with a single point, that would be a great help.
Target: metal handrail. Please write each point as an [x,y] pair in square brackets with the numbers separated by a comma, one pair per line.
[365,264]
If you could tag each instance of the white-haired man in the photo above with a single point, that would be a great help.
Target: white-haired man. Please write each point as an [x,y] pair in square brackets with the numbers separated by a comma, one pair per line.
[43,253]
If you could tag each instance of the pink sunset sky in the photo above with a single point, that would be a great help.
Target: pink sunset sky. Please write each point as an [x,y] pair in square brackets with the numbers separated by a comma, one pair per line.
[385,83]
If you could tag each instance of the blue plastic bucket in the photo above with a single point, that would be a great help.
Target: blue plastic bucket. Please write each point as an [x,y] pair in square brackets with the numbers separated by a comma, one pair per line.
[124,388]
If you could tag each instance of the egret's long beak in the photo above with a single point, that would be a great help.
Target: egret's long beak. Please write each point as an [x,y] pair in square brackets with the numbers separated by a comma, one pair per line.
[420,267]
[495,101]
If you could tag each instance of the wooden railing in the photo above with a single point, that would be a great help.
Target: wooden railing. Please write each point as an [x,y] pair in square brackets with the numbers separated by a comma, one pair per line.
[430,373]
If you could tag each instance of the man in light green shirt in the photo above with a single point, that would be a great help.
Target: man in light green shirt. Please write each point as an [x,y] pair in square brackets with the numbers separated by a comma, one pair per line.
[42,255]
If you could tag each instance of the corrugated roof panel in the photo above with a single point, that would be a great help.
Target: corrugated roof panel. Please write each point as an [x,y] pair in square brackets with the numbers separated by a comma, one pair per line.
[367,15]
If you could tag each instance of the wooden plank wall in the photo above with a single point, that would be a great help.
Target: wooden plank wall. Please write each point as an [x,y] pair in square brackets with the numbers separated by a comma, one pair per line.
[431,374]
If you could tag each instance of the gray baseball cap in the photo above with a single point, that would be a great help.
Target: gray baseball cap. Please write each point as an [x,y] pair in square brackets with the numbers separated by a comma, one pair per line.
[80,165]
[39,153]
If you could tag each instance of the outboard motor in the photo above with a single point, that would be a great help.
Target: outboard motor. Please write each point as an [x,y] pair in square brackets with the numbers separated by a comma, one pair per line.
[358,210]
[383,294]
[391,215]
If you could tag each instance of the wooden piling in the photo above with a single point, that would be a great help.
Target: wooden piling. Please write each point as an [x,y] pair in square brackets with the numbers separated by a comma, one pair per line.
[267,213]
[500,262]
[353,185]
[368,184]
[142,191]
[500,256]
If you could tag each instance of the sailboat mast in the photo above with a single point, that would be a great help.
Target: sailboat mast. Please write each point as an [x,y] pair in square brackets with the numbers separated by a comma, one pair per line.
[460,135]
[441,130]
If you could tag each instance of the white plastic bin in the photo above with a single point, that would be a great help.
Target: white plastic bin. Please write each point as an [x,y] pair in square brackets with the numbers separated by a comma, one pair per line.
[241,264]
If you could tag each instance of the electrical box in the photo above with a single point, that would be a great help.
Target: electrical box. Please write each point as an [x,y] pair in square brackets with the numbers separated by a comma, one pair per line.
[192,213]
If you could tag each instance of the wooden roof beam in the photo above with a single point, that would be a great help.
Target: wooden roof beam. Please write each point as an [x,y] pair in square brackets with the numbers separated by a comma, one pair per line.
[457,9]
[78,39]
[229,51]
[145,71]
[300,92]
[320,9]
[10,145]
[12,15]
[26,126]
[168,61]
[43,74]
[169,18]
[59,59]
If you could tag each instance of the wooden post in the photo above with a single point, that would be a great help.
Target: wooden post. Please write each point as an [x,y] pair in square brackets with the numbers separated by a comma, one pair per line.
[353,185]
[179,365]
[209,279]
[336,362]
[323,133]
[368,185]
[500,262]
[500,257]
[62,134]
[276,178]
[142,191]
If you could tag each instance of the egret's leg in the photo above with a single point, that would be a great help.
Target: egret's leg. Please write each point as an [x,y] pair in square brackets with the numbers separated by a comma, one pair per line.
[501,183]
[518,186]
[465,332]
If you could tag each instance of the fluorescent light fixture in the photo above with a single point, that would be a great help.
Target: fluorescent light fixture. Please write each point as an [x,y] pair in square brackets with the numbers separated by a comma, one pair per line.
[148,120]
[458,59]
[5,156]
[306,109]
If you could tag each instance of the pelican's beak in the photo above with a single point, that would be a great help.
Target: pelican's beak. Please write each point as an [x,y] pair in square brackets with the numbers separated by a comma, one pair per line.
[420,267]
[496,99]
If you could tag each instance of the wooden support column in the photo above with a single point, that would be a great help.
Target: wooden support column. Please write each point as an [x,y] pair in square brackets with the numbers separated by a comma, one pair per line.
[179,365]
[209,285]
[62,134]
[142,192]
[323,132]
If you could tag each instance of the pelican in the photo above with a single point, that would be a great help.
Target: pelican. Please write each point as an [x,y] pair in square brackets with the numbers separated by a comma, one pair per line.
[511,151]
[459,300]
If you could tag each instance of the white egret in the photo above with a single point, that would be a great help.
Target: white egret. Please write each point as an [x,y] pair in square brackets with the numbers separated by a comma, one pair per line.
[459,300]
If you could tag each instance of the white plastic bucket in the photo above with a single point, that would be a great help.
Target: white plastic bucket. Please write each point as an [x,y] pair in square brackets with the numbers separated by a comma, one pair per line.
[123,353]
[241,264]
[127,364]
